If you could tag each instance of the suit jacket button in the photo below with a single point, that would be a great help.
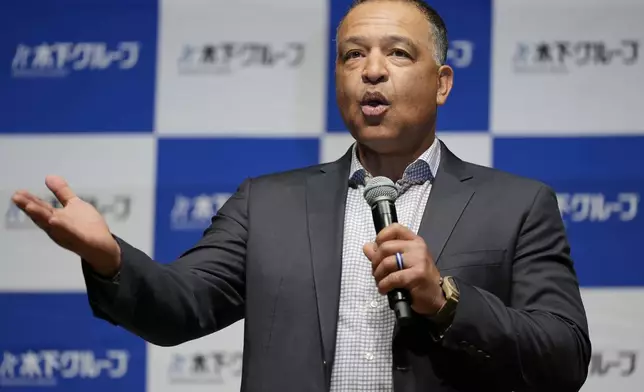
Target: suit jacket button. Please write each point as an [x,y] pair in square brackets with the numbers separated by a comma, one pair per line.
[482,353]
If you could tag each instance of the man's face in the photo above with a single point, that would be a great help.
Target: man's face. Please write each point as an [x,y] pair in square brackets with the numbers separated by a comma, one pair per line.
[388,84]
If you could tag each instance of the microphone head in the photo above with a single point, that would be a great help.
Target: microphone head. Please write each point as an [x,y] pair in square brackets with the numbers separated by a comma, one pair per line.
[380,188]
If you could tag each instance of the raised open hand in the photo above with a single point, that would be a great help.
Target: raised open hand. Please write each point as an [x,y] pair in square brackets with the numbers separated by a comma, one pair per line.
[77,226]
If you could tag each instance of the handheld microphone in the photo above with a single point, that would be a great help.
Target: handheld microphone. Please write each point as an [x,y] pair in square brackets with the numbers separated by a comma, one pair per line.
[381,193]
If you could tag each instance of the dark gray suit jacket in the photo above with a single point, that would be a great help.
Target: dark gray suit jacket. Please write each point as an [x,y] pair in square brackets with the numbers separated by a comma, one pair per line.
[273,254]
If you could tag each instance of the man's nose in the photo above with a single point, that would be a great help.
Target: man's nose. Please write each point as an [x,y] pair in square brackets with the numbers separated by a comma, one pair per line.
[375,70]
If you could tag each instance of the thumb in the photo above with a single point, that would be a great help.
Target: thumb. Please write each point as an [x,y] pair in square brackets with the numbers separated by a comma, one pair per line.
[370,250]
[60,189]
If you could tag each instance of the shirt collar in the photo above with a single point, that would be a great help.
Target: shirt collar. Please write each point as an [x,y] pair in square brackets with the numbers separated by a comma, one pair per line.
[418,172]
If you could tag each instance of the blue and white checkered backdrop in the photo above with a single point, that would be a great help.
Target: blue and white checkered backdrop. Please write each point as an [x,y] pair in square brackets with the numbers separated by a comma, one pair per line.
[156,111]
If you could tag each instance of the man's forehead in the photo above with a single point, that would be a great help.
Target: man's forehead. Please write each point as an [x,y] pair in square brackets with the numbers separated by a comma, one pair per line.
[383,19]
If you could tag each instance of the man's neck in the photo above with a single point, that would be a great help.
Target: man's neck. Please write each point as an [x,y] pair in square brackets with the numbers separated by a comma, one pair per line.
[391,165]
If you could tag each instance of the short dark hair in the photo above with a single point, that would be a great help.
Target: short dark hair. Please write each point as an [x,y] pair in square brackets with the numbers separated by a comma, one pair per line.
[439,30]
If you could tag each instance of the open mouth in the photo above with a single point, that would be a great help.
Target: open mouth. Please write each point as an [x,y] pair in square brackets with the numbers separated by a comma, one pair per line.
[374,104]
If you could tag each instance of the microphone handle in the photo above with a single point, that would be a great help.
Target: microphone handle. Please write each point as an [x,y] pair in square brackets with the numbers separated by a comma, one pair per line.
[384,214]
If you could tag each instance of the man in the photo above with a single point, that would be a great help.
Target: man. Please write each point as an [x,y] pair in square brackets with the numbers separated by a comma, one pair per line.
[485,259]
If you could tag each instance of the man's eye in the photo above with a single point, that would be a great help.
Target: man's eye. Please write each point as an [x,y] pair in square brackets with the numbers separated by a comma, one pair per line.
[351,54]
[399,52]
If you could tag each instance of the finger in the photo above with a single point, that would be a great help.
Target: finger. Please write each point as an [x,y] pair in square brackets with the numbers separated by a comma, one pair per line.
[387,266]
[60,189]
[21,198]
[369,249]
[397,280]
[392,247]
[38,214]
[395,231]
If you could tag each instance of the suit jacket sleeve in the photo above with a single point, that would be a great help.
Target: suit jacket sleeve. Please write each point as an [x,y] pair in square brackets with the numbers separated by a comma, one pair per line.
[200,293]
[538,343]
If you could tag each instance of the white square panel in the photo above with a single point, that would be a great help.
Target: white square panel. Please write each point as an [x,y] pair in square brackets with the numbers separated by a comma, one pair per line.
[473,147]
[615,322]
[567,67]
[210,363]
[242,68]
[334,145]
[116,173]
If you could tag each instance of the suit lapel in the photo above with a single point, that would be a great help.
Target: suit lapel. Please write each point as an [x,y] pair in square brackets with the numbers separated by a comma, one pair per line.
[447,201]
[325,203]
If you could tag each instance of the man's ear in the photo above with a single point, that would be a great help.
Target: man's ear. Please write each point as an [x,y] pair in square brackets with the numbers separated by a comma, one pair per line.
[445,82]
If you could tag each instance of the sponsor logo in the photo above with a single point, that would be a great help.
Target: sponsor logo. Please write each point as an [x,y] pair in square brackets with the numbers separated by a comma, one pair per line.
[195,213]
[596,207]
[230,57]
[49,367]
[116,208]
[61,59]
[217,367]
[460,53]
[621,363]
[563,56]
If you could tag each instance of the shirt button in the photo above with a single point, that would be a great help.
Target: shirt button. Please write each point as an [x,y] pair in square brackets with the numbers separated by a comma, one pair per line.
[374,304]
[369,356]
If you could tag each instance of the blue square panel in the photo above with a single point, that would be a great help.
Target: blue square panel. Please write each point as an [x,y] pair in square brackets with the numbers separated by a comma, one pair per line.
[469,32]
[599,184]
[77,66]
[196,176]
[53,342]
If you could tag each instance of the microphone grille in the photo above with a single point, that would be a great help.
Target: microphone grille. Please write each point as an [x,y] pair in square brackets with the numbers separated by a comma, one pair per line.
[378,188]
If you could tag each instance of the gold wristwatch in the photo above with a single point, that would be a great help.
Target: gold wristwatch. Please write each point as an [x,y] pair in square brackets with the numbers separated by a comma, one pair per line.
[443,318]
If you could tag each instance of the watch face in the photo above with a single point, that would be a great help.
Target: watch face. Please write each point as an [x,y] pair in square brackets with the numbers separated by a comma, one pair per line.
[450,289]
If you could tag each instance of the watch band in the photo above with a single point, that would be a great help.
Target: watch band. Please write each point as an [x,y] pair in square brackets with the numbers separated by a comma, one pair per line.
[442,320]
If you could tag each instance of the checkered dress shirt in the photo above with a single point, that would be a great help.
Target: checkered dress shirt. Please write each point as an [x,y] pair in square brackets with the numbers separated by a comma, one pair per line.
[363,356]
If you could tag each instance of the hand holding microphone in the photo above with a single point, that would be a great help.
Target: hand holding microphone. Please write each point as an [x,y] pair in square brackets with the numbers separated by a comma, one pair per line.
[402,265]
